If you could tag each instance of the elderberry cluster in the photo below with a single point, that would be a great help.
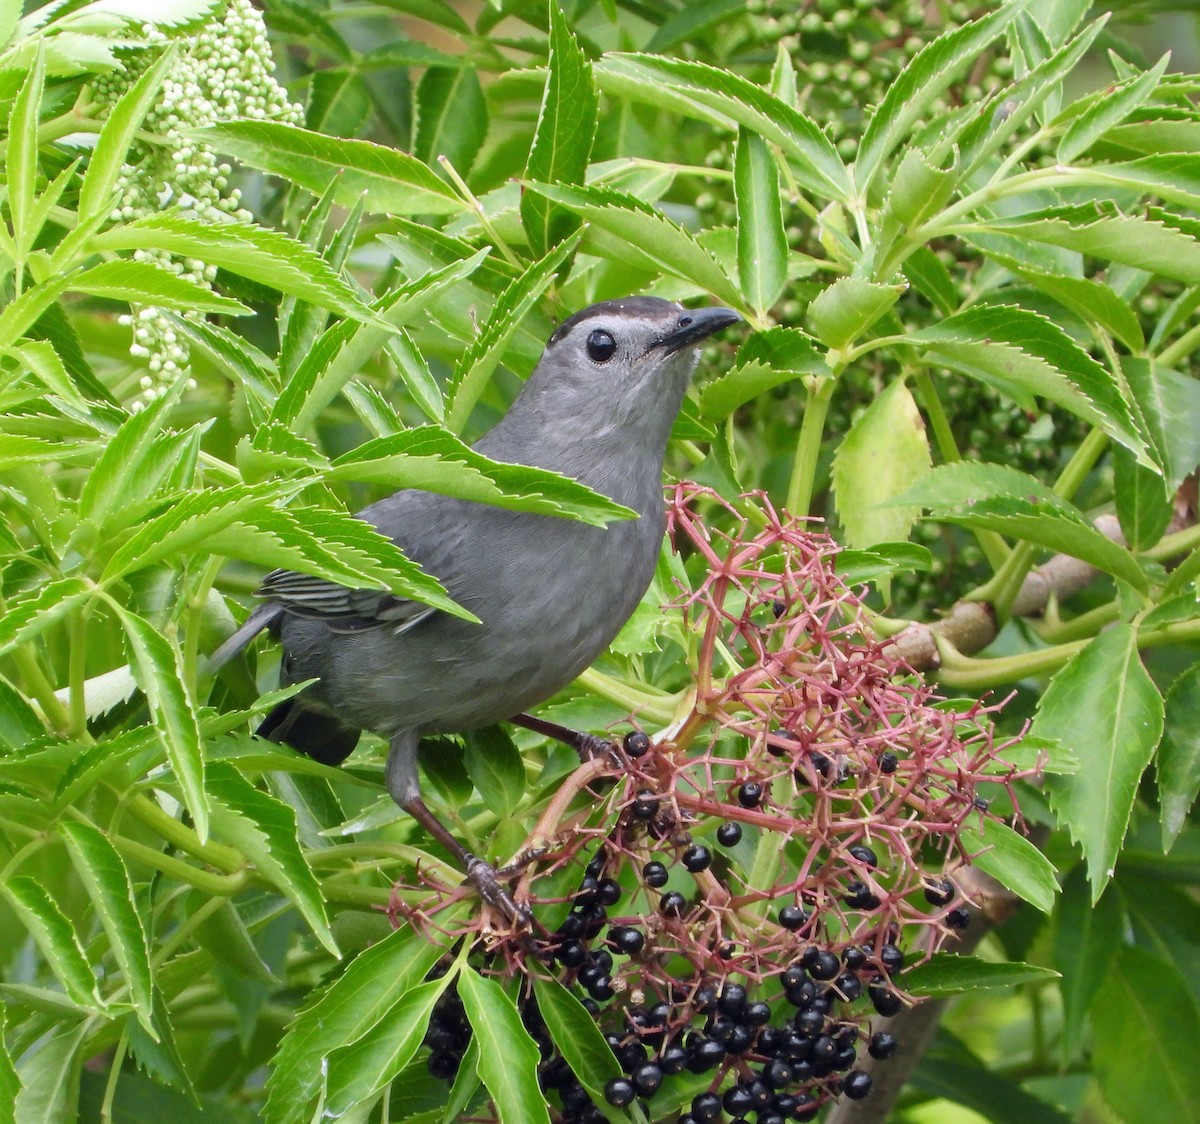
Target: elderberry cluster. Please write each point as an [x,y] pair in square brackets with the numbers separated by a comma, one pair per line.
[223,72]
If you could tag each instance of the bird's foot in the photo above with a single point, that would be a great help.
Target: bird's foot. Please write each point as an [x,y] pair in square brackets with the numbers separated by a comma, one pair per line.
[592,747]
[486,880]
[521,861]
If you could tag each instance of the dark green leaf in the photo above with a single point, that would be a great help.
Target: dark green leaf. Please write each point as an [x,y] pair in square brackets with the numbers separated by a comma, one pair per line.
[1087,937]
[452,116]
[1013,861]
[1163,396]
[949,974]
[562,141]
[1179,756]
[106,880]
[1104,706]
[392,182]
[264,830]
[55,601]
[1144,1027]
[50,1077]
[158,668]
[761,241]
[1144,506]
[143,283]
[1108,109]
[496,768]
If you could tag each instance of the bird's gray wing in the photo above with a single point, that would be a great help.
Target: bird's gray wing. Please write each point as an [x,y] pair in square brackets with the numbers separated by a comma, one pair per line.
[341,608]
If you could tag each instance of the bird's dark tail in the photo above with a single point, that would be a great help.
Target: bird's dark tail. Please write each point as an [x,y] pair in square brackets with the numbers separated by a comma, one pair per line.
[314,733]
[262,617]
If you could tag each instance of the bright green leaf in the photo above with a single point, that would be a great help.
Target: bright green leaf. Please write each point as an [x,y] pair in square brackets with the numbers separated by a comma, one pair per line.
[950,974]
[761,242]
[1179,756]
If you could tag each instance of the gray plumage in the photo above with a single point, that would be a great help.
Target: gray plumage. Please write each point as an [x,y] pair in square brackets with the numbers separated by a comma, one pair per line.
[551,593]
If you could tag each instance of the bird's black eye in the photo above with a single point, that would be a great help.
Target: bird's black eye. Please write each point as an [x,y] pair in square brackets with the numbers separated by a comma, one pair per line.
[601,347]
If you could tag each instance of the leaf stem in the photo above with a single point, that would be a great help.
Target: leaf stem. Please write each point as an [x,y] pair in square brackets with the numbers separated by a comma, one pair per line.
[197,602]
[77,674]
[656,708]
[808,447]
[1181,348]
[226,859]
[219,885]
[480,213]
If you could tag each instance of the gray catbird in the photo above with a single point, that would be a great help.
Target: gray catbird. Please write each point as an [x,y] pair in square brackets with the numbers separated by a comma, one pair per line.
[551,593]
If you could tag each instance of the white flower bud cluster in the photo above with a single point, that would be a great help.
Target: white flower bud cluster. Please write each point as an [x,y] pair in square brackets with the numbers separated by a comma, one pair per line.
[225,73]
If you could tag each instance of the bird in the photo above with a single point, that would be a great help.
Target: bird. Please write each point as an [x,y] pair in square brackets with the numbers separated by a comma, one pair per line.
[550,593]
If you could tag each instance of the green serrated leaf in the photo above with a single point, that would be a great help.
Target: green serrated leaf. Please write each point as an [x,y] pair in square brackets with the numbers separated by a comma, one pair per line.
[919,189]
[53,602]
[721,397]
[1144,505]
[1013,861]
[116,135]
[10,1083]
[761,242]
[477,364]
[950,974]
[847,308]
[509,1074]
[433,459]
[143,283]
[106,880]
[52,933]
[883,455]
[727,100]
[925,271]
[1108,110]
[918,86]
[1103,706]
[562,140]
[390,181]
[452,116]
[373,983]
[1179,755]
[21,153]
[1144,1010]
[1087,937]
[1163,396]
[49,1077]
[264,830]
[1017,349]
[266,256]
[361,1071]
[158,667]
[495,766]
[344,348]
[578,1038]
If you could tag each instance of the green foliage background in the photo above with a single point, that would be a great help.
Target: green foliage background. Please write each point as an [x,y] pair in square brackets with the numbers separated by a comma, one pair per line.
[967,242]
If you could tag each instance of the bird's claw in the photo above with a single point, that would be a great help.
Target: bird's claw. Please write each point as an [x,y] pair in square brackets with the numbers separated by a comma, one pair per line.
[592,747]
[482,875]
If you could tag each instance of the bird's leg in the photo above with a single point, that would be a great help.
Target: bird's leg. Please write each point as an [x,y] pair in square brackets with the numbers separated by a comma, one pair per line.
[404,785]
[588,746]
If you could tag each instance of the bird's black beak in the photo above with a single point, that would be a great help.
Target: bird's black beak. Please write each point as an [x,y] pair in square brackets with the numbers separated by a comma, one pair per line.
[695,325]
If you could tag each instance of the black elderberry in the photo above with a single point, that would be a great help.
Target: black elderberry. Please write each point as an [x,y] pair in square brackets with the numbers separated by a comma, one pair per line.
[697,858]
[845,1059]
[888,763]
[571,954]
[704,1054]
[631,1055]
[825,965]
[777,1074]
[854,958]
[804,995]
[793,977]
[824,1049]
[762,1094]
[589,973]
[443,1066]
[806,1108]
[673,1059]
[750,794]
[595,868]
[673,904]
[809,956]
[603,960]
[771,1118]
[706,1108]
[740,1040]
[732,1001]
[626,939]
[654,874]
[796,1048]
[821,764]
[884,1000]
[757,1014]
[587,889]
[881,1046]
[572,926]
[647,1078]
[809,1022]
[729,834]
[608,892]
[636,744]
[602,989]
[738,1100]
[590,1006]
[785,1105]
[792,917]
[721,1028]
[939,892]
[594,919]
[645,805]
[891,957]
[849,985]
[859,896]
[959,917]
[619,1092]
[864,855]
[857,1085]
[705,998]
